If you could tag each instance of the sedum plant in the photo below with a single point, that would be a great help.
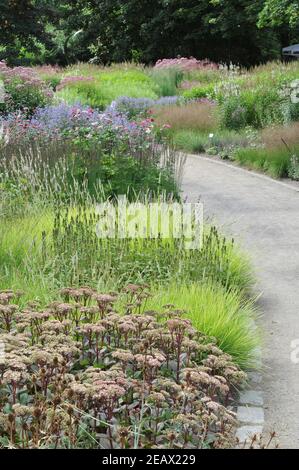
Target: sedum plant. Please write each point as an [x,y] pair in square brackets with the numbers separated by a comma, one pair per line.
[78,374]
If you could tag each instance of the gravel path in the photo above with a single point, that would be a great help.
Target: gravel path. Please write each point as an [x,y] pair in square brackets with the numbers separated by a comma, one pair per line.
[263,215]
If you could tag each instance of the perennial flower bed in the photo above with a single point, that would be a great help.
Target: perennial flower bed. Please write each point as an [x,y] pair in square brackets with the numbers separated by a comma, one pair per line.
[23,90]
[103,151]
[62,120]
[80,374]
[94,370]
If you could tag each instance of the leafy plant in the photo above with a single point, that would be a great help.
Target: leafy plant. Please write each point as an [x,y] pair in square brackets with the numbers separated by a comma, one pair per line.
[198,92]
[65,249]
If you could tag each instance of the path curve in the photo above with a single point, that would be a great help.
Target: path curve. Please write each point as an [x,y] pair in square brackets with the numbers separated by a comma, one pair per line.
[263,215]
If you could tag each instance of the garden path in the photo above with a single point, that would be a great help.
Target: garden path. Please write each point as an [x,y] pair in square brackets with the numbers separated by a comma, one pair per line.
[263,216]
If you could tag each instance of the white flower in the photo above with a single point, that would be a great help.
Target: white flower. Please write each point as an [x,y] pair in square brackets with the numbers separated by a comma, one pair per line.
[211,136]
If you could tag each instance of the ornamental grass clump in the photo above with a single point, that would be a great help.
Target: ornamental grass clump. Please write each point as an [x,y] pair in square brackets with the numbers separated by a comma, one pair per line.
[80,374]
[193,116]
[72,242]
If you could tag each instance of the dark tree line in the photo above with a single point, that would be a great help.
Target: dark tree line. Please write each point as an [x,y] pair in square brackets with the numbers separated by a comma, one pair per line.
[104,31]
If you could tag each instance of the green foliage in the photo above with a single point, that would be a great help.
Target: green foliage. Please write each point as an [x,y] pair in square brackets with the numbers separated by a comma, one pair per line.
[64,32]
[275,162]
[23,90]
[167,81]
[258,98]
[221,142]
[68,171]
[62,248]
[52,81]
[198,92]
[257,107]
[123,174]
[279,12]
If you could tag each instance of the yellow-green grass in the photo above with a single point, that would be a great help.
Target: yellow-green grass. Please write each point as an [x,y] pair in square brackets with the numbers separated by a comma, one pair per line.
[24,256]
[222,311]
[217,312]
[108,85]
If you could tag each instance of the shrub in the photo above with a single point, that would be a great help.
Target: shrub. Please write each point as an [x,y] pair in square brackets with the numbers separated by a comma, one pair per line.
[79,375]
[233,114]
[85,168]
[23,90]
[220,142]
[258,106]
[225,142]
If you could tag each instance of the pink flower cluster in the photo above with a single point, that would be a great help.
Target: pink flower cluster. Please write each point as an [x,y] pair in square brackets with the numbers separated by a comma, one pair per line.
[25,75]
[73,79]
[186,64]
[23,88]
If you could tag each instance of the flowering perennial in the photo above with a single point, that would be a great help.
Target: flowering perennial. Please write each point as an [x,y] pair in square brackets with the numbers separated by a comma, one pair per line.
[63,120]
[23,90]
[79,374]
[186,64]
[135,107]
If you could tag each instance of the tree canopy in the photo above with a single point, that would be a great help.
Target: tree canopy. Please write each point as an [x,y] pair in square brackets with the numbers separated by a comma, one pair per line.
[241,31]
[279,12]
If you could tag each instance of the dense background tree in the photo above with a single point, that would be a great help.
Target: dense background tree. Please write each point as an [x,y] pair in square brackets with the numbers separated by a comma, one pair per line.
[283,17]
[241,31]
[19,26]
[280,12]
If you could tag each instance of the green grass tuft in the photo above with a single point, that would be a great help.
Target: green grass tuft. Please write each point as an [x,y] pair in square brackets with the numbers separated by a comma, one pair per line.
[275,162]
[218,313]
[190,141]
